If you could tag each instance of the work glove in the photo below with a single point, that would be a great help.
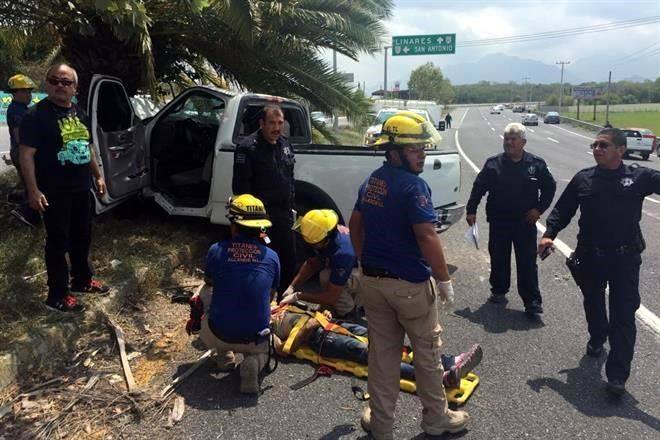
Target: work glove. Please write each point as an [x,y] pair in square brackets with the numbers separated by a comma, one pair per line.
[446,290]
[290,299]
[194,323]
[289,290]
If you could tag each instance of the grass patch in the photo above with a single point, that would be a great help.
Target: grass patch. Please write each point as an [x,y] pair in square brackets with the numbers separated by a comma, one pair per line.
[139,235]
[640,119]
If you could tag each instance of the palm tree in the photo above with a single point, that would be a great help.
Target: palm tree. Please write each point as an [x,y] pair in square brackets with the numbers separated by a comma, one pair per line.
[266,46]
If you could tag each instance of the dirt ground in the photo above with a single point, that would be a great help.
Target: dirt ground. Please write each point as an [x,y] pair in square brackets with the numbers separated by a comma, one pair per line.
[88,398]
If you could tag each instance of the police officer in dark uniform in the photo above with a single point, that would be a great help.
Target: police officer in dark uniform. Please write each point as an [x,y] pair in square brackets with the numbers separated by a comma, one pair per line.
[520,188]
[263,166]
[610,243]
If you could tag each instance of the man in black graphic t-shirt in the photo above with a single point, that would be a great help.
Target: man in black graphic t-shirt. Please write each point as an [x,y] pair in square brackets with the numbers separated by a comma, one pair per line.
[58,163]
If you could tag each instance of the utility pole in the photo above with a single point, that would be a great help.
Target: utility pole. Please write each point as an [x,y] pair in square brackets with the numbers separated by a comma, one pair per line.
[335,120]
[385,77]
[526,89]
[561,82]
[607,108]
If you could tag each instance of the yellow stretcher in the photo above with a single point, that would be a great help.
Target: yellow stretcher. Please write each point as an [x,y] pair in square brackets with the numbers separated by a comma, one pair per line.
[456,395]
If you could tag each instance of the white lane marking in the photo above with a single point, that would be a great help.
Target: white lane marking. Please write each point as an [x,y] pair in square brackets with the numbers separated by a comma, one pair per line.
[460,124]
[572,132]
[590,152]
[650,199]
[553,140]
[531,129]
[502,137]
[644,315]
[492,128]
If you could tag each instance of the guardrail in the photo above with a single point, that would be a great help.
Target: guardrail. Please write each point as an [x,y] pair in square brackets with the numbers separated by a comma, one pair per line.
[576,122]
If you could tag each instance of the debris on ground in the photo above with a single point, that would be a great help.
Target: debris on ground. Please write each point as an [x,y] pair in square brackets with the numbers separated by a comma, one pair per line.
[96,396]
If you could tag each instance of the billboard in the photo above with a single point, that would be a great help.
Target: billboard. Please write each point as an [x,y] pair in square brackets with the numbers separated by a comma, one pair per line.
[586,92]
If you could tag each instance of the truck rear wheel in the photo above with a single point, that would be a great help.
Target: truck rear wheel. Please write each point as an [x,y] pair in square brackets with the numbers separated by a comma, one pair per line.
[645,156]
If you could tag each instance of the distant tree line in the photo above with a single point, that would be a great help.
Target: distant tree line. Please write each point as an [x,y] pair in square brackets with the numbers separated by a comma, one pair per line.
[621,92]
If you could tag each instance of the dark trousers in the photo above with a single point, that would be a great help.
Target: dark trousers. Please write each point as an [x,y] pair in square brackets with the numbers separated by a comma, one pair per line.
[68,222]
[621,272]
[283,242]
[523,237]
[338,346]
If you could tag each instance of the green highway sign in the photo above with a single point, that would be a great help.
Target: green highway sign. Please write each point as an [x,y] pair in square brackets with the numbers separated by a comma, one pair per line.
[424,44]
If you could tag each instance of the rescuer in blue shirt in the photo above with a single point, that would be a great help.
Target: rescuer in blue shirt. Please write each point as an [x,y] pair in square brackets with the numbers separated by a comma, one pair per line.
[393,234]
[21,88]
[244,273]
[334,260]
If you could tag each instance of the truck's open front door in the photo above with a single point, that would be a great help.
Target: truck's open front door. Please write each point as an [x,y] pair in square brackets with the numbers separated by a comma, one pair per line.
[119,139]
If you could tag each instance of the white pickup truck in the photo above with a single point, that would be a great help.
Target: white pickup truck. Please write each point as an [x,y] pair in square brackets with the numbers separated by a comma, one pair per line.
[182,157]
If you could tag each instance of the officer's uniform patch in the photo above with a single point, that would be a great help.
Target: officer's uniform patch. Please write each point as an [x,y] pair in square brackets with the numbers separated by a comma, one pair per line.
[627,181]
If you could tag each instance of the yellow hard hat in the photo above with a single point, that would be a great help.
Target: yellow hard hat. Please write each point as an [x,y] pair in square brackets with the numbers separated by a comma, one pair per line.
[316,225]
[18,82]
[247,210]
[407,128]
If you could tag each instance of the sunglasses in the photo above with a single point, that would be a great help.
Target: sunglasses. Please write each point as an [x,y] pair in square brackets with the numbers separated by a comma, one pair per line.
[57,81]
[600,144]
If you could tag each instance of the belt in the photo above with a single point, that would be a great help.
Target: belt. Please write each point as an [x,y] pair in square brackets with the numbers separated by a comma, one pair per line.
[600,251]
[371,271]
[256,339]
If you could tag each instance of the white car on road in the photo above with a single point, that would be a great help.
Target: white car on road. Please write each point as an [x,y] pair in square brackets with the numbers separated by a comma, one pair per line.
[495,110]
[530,119]
[639,143]
[373,132]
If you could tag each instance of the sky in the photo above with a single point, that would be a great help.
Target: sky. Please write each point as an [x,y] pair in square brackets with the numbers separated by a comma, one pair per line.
[477,19]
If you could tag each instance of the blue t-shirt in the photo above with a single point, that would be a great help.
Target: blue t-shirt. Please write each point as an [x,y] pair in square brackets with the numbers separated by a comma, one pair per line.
[15,113]
[391,201]
[243,271]
[341,258]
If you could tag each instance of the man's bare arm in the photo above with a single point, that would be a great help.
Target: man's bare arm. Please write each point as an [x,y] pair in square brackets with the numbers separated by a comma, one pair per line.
[36,198]
[431,247]
[356,226]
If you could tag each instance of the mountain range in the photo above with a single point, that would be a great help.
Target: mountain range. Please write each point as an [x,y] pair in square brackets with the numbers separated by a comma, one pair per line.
[505,68]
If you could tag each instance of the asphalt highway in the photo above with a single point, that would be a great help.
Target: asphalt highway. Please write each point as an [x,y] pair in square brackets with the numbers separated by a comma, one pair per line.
[536,382]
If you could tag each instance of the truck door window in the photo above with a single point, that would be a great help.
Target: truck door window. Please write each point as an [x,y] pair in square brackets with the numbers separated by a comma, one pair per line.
[189,128]
[114,110]
[295,124]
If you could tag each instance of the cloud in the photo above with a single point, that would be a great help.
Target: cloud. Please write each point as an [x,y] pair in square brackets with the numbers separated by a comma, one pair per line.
[478,20]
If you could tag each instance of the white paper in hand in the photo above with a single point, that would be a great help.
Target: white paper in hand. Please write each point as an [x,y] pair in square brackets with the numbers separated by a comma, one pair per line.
[472,235]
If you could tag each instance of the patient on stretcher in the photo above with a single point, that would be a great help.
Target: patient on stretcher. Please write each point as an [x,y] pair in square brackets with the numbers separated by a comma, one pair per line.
[348,341]
[337,340]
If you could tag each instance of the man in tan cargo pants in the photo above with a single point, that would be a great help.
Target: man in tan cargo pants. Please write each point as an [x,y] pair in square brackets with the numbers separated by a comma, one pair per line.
[393,234]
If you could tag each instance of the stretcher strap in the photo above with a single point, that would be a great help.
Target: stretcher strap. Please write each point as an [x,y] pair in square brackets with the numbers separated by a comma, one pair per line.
[294,333]
[332,327]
